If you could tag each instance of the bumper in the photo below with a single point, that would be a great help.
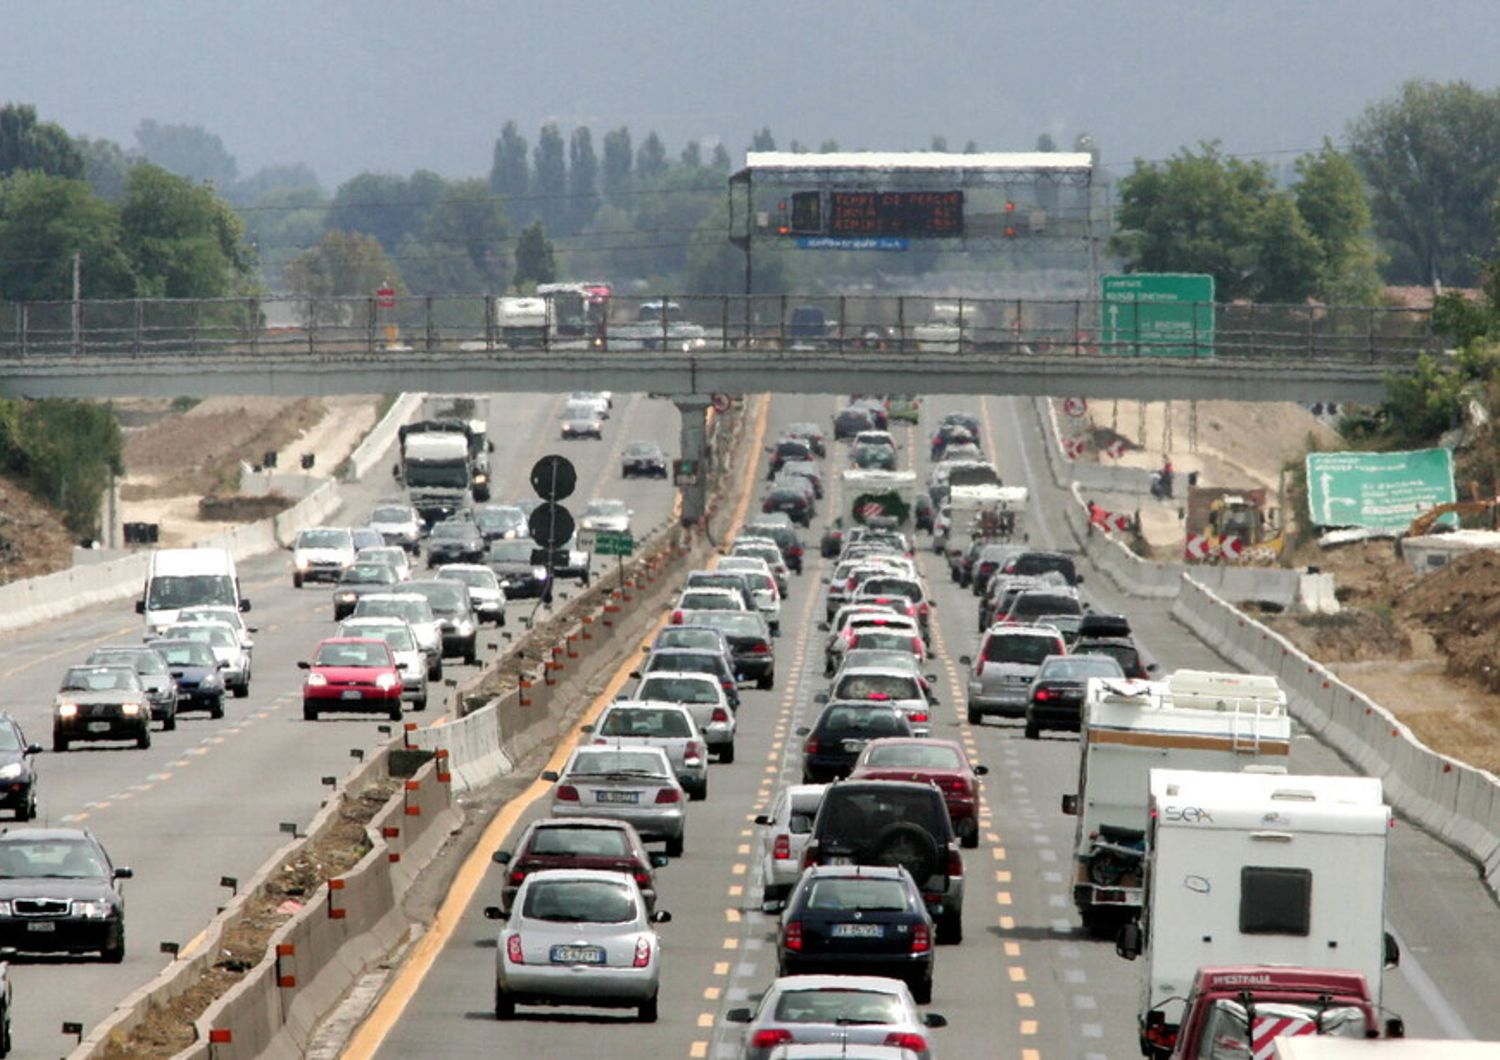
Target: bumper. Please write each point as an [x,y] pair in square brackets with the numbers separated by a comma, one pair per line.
[199,699]
[719,734]
[373,700]
[456,643]
[523,588]
[321,572]
[544,984]
[58,934]
[1055,718]
[14,794]
[651,823]
[649,470]
[103,728]
[1004,700]
[755,666]
[908,967]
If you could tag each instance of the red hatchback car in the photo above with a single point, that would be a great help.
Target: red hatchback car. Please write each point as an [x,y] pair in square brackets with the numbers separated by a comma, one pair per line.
[940,762]
[579,843]
[351,674]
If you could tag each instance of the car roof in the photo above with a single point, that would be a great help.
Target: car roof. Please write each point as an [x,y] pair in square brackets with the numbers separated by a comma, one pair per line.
[614,876]
[857,872]
[875,671]
[872,983]
[48,833]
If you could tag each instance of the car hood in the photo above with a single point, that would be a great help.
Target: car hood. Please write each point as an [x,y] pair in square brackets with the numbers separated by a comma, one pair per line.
[352,673]
[109,695]
[340,555]
[55,887]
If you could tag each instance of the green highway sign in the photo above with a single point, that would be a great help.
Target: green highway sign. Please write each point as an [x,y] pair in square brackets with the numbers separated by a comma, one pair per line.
[1381,491]
[1157,314]
[607,543]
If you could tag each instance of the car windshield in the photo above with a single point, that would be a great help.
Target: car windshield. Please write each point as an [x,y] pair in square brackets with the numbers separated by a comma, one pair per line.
[678,637]
[100,679]
[863,721]
[641,449]
[607,508]
[325,539]
[475,579]
[735,623]
[580,841]
[684,662]
[451,476]
[606,761]
[1028,604]
[884,639]
[584,901]
[879,586]
[414,611]
[1079,668]
[855,895]
[1226,1029]
[511,551]
[867,657]
[878,686]
[397,638]
[1022,649]
[915,756]
[143,661]
[220,636]
[838,1005]
[645,722]
[443,597]
[10,738]
[391,515]
[496,518]
[453,531]
[353,653]
[709,602]
[369,573]
[1121,655]
[678,690]
[579,412]
[67,859]
[187,653]
[226,615]
[165,592]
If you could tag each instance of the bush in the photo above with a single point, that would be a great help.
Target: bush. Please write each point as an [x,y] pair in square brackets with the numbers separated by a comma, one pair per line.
[63,451]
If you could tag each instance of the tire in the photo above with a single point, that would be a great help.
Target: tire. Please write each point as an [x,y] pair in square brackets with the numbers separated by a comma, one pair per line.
[726,754]
[27,810]
[674,846]
[970,839]
[242,690]
[114,954]
[1032,732]
[908,845]
[975,717]
[950,929]
[699,792]
[395,712]
[505,1005]
[647,1011]
[921,990]
[169,723]
[766,682]
[143,741]
[309,712]
[435,673]
[59,744]
[296,581]
[217,710]
[471,654]
[419,704]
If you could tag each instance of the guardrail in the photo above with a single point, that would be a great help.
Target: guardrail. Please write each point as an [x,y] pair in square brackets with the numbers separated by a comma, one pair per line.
[332,326]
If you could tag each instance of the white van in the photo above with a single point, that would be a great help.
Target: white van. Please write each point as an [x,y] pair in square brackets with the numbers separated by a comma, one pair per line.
[188,577]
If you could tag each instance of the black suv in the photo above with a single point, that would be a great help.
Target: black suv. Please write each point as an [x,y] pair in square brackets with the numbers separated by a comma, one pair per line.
[895,822]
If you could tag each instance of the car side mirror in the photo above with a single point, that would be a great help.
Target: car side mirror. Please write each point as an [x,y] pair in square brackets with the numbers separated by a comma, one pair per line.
[252,629]
[1392,951]
[494,912]
[965,660]
[245,603]
[1070,804]
[661,916]
[934,1020]
[981,771]
[802,730]
[737,1015]
[823,626]
[33,748]
[932,604]
[224,665]
[1395,1027]
[490,447]
[1151,668]
[660,861]
[501,857]
[931,678]
[772,905]
[635,674]
[586,729]
[140,607]
[302,664]
[821,698]
[1128,941]
[1078,579]
[122,873]
[763,819]
[550,776]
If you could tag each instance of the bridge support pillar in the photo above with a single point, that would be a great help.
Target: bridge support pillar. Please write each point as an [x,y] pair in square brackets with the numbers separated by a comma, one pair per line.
[693,409]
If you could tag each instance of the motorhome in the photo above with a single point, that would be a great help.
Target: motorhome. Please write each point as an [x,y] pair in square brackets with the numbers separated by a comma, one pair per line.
[1193,719]
[1257,869]
[188,577]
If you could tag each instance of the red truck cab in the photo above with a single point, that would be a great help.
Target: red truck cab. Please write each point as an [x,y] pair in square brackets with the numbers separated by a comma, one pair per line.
[1237,1012]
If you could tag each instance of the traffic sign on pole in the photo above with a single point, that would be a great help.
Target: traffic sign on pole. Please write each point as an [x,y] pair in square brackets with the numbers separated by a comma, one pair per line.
[554,478]
[1075,407]
[385,298]
[611,543]
[551,525]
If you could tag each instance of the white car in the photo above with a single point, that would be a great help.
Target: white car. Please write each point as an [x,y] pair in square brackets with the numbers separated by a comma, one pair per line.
[705,699]
[391,555]
[581,421]
[600,401]
[607,515]
[666,725]
[320,553]
[784,835]
[411,660]
[230,616]
[876,438]
[398,523]
[414,608]
[840,1010]
[578,937]
[225,642]
[485,591]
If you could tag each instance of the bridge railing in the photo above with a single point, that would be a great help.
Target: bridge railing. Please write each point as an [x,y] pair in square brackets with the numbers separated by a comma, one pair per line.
[283,325]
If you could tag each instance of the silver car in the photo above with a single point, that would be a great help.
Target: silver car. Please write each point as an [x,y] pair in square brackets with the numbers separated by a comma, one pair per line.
[411,660]
[225,642]
[578,937]
[665,725]
[417,612]
[398,523]
[1000,672]
[635,784]
[703,696]
[783,838]
[899,688]
[230,616]
[837,1010]
[321,553]
[485,592]
[392,556]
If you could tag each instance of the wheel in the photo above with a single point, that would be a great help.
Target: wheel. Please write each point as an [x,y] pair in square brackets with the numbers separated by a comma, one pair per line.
[975,717]
[505,1005]
[309,712]
[950,928]
[395,712]
[143,741]
[647,1012]
[1096,922]
[27,810]
[296,581]
[765,681]
[970,839]
[114,953]
[921,991]
[674,847]
[169,723]
[59,743]
[700,791]
[726,754]
[1032,732]
[908,845]
[471,655]
[419,704]
[216,708]
[242,689]
[435,672]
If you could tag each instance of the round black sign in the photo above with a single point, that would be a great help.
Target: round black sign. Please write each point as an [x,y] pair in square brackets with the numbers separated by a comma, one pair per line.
[551,524]
[554,478]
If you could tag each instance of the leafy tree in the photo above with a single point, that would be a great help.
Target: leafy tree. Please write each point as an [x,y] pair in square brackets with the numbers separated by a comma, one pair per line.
[550,184]
[692,154]
[510,173]
[617,160]
[44,220]
[28,144]
[763,140]
[1045,142]
[1331,199]
[828,147]
[105,167]
[183,240]
[650,158]
[939,143]
[1431,157]
[297,176]
[469,219]
[1420,406]
[715,266]
[583,180]
[342,265]
[535,261]
[1288,257]
[187,150]
[721,162]
[380,204]
[64,451]
[971,147]
[282,223]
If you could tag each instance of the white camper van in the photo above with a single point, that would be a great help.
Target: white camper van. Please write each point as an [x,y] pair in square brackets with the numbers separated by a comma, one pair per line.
[1194,719]
[188,577]
[1258,869]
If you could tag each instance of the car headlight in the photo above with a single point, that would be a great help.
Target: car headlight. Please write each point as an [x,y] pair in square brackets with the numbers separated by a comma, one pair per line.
[67,710]
[539,573]
[10,772]
[480,478]
[94,909]
[209,682]
[130,710]
[464,627]
[316,680]
[346,597]
[387,681]
[5,907]
[301,562]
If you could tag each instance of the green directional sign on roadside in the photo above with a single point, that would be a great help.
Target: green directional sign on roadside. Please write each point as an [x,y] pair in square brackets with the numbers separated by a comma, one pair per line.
[1381,491]
[609,543]
[1157,314]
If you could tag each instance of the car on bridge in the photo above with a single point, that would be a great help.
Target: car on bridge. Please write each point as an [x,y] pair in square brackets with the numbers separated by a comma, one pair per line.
[581,420]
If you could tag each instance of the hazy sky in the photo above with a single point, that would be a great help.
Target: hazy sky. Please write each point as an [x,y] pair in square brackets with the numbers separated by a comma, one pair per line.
[396,86]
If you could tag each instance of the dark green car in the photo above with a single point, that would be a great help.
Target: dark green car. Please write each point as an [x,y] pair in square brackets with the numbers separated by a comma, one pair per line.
[904,407]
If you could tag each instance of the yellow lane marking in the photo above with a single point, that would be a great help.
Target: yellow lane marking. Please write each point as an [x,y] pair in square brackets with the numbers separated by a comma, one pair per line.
[698,1051]
[705,1019]
[1031,1054]
[1003,897]
[1028,1027]
[1002,875]
[738,870]
[1017,973]
[721,967]
[1025,1001]
[34,659]
[731,944]
[711,993]
[1007,923]
[742,849]
[732,915]
[736,890]
[1012,949]
[998,853]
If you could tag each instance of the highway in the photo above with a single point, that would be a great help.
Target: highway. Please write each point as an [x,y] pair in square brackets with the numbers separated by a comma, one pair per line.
[1026,982]
[206,801]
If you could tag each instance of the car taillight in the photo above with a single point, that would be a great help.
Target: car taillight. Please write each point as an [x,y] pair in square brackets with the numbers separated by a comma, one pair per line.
[767,505]
[781,850]
[850,586]
[642,952]
[567,793]
[918,716]
[979,666]
[921,939]
[957,785]
[720,714]
[1162,1035]
[955,862]
[791,937]
[513,950]
[517,875]
[1043,694]
[795,550]
[676,618]
[642,878]
[811,746]
[694,750]
[770,1039]
[666,795]
[760,647]
[918,648]
[600,740]
[907,1040]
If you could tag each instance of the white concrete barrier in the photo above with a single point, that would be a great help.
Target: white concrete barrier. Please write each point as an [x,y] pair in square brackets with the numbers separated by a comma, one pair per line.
[475,756]
[374,445]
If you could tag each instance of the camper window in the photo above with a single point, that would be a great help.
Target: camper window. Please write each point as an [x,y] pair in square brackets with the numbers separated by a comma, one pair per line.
[1275,901]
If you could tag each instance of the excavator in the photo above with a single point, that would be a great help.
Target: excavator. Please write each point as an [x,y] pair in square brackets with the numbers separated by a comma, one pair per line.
[1424,523]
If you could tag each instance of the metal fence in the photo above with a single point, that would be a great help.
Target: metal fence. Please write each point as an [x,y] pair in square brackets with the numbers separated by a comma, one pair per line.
[475,323]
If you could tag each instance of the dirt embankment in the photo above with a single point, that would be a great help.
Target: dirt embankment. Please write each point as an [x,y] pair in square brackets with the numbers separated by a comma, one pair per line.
[33,539]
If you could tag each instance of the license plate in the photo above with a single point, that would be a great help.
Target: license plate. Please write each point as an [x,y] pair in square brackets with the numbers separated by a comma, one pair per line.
[858,931]
[353,693]
[41,925]
[99,726]
[840,859]
[577,955]
[854,746]
[617,796]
